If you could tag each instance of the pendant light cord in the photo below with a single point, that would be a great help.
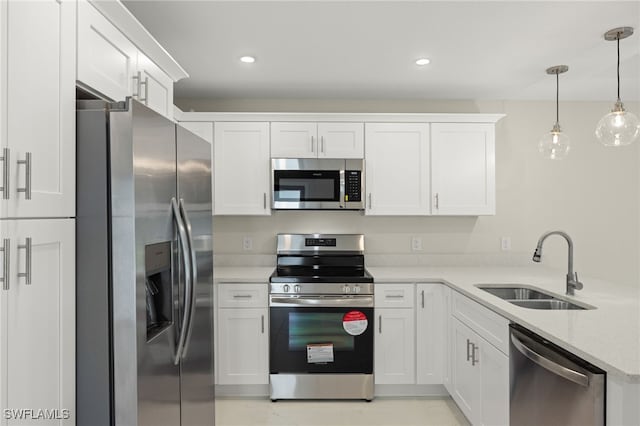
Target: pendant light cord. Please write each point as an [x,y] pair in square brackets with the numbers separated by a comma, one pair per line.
[558,98]
[618,68]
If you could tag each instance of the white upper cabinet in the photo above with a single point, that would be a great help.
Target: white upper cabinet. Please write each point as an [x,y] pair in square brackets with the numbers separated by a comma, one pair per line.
[397,168]
[317,140]
[241,158]
[112,66]
[107,60]
[37,113]
[463,168]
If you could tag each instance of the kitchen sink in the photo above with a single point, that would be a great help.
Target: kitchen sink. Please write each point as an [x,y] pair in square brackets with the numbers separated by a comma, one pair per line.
[528,297]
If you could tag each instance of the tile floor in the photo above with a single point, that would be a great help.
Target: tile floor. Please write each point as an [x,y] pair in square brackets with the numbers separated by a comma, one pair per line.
[379,412]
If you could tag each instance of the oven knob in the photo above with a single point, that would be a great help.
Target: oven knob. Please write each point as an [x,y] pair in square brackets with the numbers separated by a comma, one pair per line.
[346,289]
[356,289]
[286,288]
[296,289]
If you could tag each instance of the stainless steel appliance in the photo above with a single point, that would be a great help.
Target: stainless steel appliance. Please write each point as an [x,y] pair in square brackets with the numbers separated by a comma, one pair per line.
[550,386]
[144,269]
[317,184]
[321,319]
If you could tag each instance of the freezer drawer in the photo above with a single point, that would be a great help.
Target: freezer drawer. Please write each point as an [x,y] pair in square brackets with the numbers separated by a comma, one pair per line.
[549,385]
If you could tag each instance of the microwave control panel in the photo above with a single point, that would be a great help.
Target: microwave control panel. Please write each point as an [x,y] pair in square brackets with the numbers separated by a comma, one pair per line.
[353,185]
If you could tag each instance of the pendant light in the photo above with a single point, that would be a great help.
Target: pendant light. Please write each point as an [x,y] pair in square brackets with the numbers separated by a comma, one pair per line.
[555,144]
[619,127]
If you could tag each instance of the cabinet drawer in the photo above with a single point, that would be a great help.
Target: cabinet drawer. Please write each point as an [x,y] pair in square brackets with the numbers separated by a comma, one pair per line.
[242,295]
[488,324]
[393,295]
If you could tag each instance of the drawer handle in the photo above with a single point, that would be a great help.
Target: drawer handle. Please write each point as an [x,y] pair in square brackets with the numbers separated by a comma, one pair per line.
[394,296]
[242,296]
[6,264]
[5,173]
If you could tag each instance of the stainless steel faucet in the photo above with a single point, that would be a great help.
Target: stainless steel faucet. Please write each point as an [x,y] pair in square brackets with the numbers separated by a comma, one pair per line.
[572,277]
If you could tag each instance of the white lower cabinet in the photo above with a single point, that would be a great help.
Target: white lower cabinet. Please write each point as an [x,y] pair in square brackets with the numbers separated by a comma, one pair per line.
[243,334]
[431,335]
[37,322]
[394,341]
[479,381]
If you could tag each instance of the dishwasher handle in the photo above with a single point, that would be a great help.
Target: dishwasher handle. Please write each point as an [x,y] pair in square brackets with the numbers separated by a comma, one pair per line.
[553,367]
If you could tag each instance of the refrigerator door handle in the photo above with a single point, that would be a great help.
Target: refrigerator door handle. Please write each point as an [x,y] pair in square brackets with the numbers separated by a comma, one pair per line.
[188,284]
[194,277]
[553,367]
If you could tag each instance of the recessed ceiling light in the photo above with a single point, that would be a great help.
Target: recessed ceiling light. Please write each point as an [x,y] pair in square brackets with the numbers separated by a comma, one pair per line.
[422,61]
[248,59]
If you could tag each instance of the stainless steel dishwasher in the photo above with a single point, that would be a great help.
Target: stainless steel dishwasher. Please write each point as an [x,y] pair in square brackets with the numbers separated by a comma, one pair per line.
[550,386]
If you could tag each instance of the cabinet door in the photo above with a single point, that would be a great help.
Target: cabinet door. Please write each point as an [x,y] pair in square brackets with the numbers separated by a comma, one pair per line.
[40,108]
[397,169]
[430,333]
[294,140]
[494,385]
[155,88]
[243,356]
[341,140]
[241,157]
[107,60]
[465,376]
[463,168]
[394,347]
[38,337]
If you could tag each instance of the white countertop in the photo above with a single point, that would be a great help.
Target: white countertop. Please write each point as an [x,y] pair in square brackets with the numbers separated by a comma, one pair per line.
[608,337]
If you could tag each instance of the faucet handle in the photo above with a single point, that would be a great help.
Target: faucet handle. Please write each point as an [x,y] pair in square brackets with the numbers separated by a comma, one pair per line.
[576,283]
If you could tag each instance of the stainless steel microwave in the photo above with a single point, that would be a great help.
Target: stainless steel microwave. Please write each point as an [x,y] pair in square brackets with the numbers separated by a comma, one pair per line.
[317,184]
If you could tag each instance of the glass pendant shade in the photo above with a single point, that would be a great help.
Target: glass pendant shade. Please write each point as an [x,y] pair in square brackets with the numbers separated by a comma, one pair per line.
[554,145]
[618,128]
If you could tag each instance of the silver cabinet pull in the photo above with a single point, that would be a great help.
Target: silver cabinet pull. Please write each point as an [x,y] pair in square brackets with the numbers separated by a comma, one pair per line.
[146,90]
[264,200]
[262,323]
[370,204]
[437,201]
[380,324]
[422,299]
[27,176]
[136,79]
[27,273]
[242,296]
[474,360]
[468,351]
[5,173]
[312,150]
[5,263]
[322,144]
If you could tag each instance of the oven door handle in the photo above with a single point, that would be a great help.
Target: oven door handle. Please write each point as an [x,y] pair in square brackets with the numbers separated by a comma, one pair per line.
[310,301]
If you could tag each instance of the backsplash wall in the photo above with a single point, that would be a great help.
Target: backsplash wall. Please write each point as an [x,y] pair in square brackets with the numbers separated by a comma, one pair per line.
[594,195]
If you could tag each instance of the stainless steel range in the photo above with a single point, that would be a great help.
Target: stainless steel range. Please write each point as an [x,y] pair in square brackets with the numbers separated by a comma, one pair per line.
[321,319]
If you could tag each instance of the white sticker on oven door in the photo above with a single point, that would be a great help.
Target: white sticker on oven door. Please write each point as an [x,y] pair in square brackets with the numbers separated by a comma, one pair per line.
[319,352]
[354,323]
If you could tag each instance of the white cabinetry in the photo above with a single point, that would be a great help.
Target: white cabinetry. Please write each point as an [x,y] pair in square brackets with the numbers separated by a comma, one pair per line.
[463,168]
[37,317]
[241,158]
[394,344]
[317,140]
[111,65]
[37,110]
[479,370]
[397,168]
[242,329]
[431,333]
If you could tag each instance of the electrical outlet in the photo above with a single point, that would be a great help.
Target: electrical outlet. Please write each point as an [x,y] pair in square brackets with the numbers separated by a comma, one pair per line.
[247,243]
[416,243]
[505,243]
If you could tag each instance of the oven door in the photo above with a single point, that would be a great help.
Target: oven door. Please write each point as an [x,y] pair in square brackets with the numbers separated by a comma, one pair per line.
[322,334]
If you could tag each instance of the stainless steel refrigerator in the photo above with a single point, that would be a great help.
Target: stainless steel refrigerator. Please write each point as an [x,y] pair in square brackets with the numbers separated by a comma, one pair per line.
[144,269]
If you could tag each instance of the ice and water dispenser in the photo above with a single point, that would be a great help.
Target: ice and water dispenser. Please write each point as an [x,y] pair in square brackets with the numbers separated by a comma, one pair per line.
[158,288]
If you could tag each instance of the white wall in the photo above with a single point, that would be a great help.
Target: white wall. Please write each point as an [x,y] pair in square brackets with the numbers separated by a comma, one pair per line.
[594,194]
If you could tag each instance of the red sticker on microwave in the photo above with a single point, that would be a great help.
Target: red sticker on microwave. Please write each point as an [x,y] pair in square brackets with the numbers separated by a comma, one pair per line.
[354,323]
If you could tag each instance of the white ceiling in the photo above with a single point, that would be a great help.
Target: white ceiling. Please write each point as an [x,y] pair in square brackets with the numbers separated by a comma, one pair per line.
[366,49]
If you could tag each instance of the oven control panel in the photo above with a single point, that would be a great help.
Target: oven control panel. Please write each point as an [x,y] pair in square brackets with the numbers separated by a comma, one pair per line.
[321,288]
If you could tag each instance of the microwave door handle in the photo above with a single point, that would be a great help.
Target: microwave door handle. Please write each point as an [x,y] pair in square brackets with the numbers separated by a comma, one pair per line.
[343,191]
